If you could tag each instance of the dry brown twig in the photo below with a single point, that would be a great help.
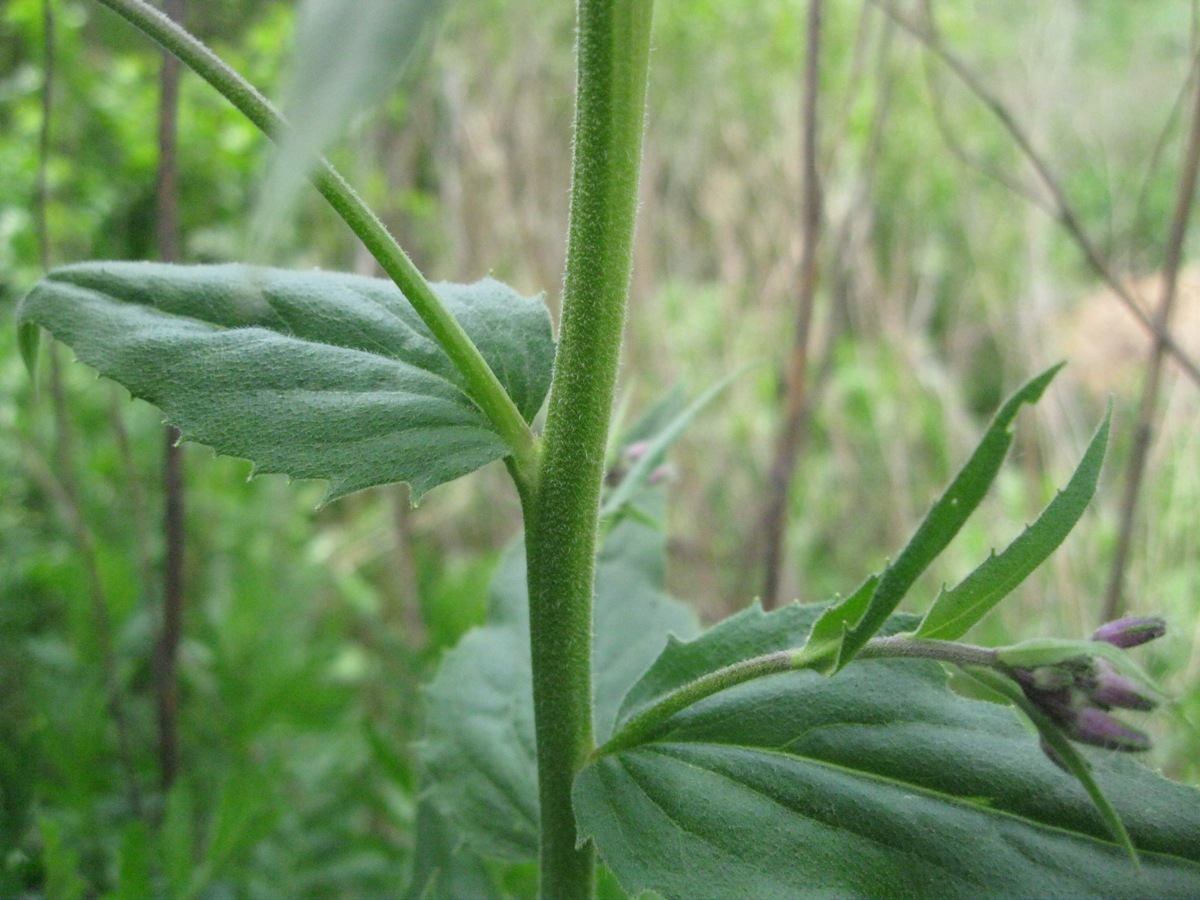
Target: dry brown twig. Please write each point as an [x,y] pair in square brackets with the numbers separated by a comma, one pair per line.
[1113,603]
[788,446]
[166,226]
[1064,212]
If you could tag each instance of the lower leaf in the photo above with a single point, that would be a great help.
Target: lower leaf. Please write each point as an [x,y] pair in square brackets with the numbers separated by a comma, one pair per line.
[877,782]
[317,375]
[479,743]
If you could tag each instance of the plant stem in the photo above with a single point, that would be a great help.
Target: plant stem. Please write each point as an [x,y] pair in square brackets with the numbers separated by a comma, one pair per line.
[483,385]
[797,400]
[168,240]
[644,725]
[1114,602]
[561,515]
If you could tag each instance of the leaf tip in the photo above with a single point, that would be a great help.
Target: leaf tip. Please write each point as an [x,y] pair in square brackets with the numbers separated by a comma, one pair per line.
[29,339]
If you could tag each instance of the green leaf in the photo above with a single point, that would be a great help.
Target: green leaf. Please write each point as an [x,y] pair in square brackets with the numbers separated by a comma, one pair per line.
[654,418]
[314,374]
[60,861]
[134,863]
[177,841]
[479,741]
[859,620]
[824,644]
[1068,754]
[442,866]
[955,611]
[348,57]
[745,635]
[28,340]
[879,781]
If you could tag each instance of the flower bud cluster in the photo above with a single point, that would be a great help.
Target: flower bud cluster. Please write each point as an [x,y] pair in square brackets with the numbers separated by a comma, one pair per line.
[630,455]
[1078,693]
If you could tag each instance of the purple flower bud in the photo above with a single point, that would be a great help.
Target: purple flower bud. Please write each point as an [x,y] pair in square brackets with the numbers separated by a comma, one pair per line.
[1060,704]
[1094,726]
[1059,690]
[1110,688]
[635,451]
[661,474]
[1131,631]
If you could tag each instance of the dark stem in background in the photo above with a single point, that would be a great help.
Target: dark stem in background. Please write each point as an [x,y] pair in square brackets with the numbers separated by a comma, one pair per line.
[166,228]
[41,207]
[66,491]
[1060,207]
[842,267]
[408,586]
[1113,601]
[133,483]
[774,527]
[1144,219]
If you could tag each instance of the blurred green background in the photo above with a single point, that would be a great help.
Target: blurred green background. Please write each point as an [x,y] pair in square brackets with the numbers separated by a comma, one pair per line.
[308,631]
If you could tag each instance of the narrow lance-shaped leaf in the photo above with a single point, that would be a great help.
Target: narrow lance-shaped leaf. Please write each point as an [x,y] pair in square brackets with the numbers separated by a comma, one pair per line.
[956,610]
[348,56]
[857,619]
[824,643]
[313,374]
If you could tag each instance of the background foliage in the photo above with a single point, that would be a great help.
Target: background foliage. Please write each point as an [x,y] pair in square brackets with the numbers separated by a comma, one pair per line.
[309,631]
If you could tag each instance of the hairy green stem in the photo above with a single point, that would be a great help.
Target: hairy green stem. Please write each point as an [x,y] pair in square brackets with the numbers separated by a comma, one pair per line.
[561,516]
[484,387]
[643,726]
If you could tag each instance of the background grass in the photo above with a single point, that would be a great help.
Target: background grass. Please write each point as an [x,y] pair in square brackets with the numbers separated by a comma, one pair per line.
[308,631]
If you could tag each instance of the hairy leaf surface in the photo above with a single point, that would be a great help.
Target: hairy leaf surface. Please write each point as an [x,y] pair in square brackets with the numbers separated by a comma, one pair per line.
[878,781]
[479,744]
[313,374]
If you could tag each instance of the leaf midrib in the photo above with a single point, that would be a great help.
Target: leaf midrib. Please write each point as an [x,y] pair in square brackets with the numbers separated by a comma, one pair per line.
[790,810]
[217,328]
[660,747]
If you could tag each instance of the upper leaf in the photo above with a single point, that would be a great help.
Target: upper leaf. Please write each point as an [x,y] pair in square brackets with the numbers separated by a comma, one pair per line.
[479,743]
[956,610]
[348,56]
[314,374]
[859,616]
[877,782]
